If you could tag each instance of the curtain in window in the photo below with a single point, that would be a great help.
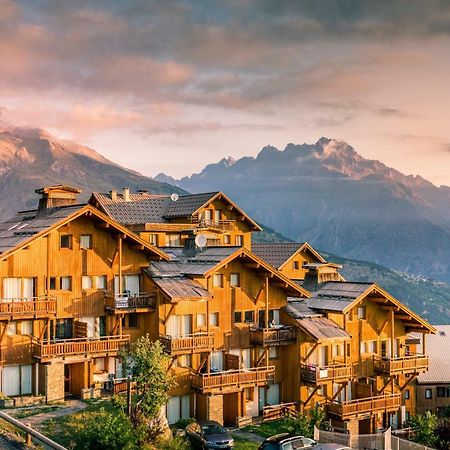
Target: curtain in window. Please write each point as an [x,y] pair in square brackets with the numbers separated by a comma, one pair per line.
[131,284]
[28,289]
[12,288]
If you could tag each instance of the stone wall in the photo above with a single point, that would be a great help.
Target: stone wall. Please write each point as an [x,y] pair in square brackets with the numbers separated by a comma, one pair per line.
[54,381]
[215,408]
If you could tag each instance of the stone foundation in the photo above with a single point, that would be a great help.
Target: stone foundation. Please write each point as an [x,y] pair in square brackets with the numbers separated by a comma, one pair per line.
[54,381]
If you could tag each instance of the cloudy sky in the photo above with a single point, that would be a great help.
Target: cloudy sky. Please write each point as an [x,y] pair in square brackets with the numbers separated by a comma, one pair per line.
[172,85]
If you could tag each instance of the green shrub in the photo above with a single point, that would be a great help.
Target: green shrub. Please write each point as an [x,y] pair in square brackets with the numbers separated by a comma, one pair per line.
[177,443]
[183,423]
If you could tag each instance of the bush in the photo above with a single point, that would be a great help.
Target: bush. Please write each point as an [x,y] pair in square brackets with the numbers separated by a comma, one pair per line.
[177,443]
[183,423]
[102,430]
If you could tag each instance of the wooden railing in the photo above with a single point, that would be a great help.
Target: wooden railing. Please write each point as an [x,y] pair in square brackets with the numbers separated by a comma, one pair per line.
[101,346]
[126,301]
[275,412]
[272,336]
[42,306]
[365,406]
[401,364]
[316,375]
[190,343]
[222,225]
[232,380]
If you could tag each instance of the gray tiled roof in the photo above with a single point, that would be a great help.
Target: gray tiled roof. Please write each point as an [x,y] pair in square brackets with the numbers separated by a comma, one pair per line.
[196,265]
[26,224]
[276,253]
[322,328]
[150,208]
[181,288]
[336,295]
[298,309]
[437,347]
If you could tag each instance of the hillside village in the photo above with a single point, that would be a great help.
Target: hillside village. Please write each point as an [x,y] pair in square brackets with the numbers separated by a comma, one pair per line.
[253,330]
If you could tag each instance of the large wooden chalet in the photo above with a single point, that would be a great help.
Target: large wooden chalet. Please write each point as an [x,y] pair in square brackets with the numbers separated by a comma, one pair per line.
[253,329]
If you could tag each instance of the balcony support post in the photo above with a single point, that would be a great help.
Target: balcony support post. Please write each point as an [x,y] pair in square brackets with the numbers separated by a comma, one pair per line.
[266,298]
[310,396]
[385,386]
[119,243]
[343,385]
[208,356]
[392,344]
[408,381]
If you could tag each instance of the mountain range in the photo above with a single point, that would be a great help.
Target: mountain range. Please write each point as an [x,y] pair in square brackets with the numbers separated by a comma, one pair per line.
[32,158]
[329,195]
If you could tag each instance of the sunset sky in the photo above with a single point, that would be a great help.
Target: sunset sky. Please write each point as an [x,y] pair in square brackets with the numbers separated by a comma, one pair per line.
[173,85]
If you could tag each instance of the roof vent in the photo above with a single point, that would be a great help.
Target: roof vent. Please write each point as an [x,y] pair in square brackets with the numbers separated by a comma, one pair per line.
[126,194]
[113,195]
[442,333]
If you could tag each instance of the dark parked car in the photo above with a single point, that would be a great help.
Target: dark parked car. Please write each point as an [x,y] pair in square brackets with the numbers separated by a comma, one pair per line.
[207,434]
[286,441]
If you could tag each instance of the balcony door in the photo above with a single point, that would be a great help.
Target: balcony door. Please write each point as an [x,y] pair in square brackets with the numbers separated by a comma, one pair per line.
[130,284]
[323,356]
[177,326]
[18,288]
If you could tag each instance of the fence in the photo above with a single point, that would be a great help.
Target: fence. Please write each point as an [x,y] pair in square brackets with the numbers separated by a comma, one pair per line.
[378,441]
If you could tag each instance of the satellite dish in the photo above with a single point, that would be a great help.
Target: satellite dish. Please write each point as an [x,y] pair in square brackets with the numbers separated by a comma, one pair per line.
[174,197]
[200,240]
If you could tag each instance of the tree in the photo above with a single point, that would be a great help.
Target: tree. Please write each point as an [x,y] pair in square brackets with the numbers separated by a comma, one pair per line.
[424,428]
[147,363]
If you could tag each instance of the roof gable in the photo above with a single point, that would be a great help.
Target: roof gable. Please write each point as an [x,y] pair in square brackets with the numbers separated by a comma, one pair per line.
[26,227]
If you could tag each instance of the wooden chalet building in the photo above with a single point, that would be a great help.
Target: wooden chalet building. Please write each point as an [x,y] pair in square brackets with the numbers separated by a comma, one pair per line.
[253,329]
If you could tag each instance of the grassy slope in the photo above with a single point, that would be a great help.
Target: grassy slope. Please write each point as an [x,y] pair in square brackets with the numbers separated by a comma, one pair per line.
[429,298]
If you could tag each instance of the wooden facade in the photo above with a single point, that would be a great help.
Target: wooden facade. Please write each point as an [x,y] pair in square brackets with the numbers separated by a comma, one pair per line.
[238,351]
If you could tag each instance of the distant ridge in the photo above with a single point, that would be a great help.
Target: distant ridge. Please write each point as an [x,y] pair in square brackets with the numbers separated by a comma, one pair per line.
[329,195]
[31,158]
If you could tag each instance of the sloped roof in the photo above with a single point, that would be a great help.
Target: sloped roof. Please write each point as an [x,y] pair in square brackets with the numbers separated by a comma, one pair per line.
[181,288]
[299,309]
[437,347]
[154,208]
[278,253]
[27,226]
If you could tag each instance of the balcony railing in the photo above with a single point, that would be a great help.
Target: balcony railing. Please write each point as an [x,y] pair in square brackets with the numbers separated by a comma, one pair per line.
[317,375]
[222,225]
[272,336]
[275,412]
[232,380]
[365,407]
[42,306]
[80,347]
[130,302]
[190,343]
[401,364]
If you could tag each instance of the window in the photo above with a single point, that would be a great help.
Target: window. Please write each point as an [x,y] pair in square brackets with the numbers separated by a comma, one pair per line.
[407,416]
[201,319]
[218,280]
[86,241]
[26,327]
[273,352]
[239,240]
[11,329]
[185,361]
[217,215]
[348,350]
[86,282]
[407,397]
[443,391]
[100,282]
[226,239]
[52,283]
[361,312]
[133,321]
[208,214]
[65,283]
[237,316]
[235,279]
[214,319]
[363,347]
[153,239]
[65,241]
[373,346]
[173,240]
[350,315]
[249,316]
[428,393]
[295,265]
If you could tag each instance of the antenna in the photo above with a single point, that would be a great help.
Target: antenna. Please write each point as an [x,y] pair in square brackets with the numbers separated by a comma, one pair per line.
[200,240]
[174,197]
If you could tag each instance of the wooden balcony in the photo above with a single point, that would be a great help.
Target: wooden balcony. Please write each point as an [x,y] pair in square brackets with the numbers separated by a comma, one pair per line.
[337,373]
[415,363]
[365,407]
[272,336]
[275,412]
[210,224]
[129,303]
[27,308]
[79,347]
[232,380]
[190,343]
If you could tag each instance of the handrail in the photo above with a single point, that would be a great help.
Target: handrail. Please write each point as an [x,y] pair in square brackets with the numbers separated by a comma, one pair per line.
[211,223]
[272,335]
[130,300]
[195,342]
[315,373]
[82,339]
[400,363]
[28,305]
[31,432]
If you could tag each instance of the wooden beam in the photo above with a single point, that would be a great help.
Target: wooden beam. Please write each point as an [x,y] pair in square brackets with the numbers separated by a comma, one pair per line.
[338,391]
[266,304]
[252,265]
[386,320]
[311,396]
[408,381]
[120,250]
[172,306]
[137,247]
[311,351]
[102,225]
[385,386]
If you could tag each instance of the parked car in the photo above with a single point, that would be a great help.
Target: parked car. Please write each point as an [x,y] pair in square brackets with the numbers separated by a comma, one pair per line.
[330,446]
[207,434]
[287,441]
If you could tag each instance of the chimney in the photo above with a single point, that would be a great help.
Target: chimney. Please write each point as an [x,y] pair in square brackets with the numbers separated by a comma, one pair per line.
[142,191]
[320,273]
[126,194]
[53,197]
[190,249]
[113,195]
